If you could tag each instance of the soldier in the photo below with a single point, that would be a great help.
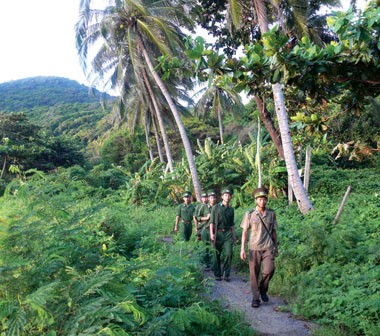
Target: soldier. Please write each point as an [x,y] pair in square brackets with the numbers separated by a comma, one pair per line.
[262,245]
[205,234]
[185,213]
[222,235]
[200,213]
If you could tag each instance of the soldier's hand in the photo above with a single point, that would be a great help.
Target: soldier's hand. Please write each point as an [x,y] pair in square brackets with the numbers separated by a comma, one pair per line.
[242,255]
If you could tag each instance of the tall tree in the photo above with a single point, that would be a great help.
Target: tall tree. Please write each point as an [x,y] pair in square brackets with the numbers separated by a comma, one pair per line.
[260,9]
[299,191]
[218,97]
[139,31]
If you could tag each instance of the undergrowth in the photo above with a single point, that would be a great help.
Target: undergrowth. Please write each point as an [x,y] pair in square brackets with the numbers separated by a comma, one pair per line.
[75,260]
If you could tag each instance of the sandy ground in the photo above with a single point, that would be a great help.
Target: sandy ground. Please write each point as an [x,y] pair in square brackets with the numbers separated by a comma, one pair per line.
[266,320]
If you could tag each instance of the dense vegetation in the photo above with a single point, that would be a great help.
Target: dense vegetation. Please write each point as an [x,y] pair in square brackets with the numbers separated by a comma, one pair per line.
[77,259]
[89,186]
[78,262]
[24,94]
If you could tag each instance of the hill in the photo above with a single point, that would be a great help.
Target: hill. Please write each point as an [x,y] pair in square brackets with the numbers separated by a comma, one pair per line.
[34,92]
[58,104]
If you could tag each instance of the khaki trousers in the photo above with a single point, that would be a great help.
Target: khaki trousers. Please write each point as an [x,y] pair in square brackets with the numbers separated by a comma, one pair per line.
[260,261]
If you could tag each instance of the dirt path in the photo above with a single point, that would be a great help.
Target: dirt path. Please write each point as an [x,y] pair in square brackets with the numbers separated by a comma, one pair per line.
[266,320]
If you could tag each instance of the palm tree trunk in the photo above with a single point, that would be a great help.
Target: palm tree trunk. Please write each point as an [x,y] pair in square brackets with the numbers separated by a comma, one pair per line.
[4,165]
[269,125]
[158,142]
[220,121]
[303,201]
[181,127]
[147,129]
[258,151]
[160,121]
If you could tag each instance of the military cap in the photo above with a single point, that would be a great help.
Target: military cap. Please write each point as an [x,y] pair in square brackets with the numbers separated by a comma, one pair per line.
[186,194]
[227,191]
[212,193]
[260,192]
[204,194]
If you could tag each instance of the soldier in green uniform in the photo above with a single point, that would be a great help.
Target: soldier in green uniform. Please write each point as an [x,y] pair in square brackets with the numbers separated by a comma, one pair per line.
[185,213]
[222,235]
[262,245]
[203,217]
[201,211]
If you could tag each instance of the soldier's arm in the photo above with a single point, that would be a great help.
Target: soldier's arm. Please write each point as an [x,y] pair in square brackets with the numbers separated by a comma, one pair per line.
[176,223]
[244,236]
[212,224]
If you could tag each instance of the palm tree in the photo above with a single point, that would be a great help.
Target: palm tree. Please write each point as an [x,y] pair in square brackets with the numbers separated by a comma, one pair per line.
[218,97]
[132,34]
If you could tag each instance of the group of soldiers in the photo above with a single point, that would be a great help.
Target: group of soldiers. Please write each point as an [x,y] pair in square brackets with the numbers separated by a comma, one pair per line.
[214,225]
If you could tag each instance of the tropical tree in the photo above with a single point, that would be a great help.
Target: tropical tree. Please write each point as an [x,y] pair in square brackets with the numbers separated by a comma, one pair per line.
[218,97]
[299,190]
[260,9]
[132,35]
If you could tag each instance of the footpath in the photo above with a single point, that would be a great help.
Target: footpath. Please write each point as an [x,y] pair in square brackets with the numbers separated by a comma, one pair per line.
[266,320]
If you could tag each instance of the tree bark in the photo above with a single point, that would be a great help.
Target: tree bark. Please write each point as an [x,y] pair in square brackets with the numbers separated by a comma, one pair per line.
[220,121]
[158,142]
[303,201]
[339,213]
[160,121]
[181,127]
[269,125]
[146,129]
[306,177]
[258,156]
[4,165]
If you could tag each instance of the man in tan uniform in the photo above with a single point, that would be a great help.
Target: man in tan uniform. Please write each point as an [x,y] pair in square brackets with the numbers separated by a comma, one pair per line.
[262,246]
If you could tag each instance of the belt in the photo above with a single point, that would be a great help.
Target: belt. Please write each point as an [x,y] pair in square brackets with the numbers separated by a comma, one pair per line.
[186,222]
[223,230]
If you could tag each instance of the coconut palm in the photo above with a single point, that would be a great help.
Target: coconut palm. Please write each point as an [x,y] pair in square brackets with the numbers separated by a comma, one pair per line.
[132,34]
[218,97]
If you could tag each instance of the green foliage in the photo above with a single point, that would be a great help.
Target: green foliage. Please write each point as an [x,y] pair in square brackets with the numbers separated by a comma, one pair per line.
[331,272]
[73,262]
[24,94]
[26,146]
[122,148]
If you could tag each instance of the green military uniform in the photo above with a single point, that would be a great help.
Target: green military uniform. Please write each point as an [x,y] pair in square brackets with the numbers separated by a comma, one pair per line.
[204,230]
[223,219]
[186,213]
[201,210]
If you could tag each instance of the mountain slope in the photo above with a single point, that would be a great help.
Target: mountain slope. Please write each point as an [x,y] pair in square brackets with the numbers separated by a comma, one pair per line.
[59,105]
[34,92]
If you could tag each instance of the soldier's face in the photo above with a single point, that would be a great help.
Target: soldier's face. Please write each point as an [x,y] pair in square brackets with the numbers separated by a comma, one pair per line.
[212,200]
[187,199]
[204,199]
[261,202]
[226,197]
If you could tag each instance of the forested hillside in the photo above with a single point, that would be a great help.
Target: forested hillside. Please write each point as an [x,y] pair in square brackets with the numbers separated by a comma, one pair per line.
[24,94]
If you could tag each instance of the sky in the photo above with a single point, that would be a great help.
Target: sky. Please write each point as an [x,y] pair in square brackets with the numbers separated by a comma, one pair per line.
[38,39]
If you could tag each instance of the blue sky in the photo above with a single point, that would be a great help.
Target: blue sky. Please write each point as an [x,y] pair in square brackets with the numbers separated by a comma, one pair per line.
[38,39]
